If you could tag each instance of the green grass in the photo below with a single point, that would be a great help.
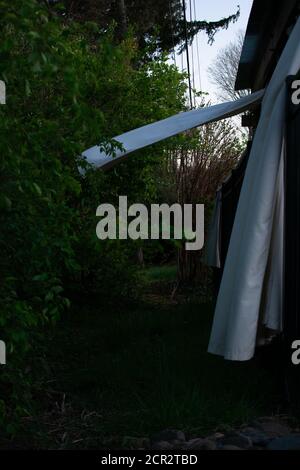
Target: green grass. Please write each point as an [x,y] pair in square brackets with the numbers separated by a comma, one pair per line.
[144,368]
[161,273]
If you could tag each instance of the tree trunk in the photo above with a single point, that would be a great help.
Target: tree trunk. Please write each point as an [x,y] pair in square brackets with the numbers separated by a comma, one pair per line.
[140,257]
[122,23]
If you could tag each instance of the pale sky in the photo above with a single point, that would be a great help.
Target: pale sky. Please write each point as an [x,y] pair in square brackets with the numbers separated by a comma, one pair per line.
[213,10]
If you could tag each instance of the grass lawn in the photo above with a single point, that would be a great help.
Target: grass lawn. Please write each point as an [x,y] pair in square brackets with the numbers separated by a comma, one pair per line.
[161,273]
[142,368]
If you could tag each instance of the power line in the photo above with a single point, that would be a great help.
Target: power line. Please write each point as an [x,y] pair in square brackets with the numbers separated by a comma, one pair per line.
[193,61]
[187,52]
[197,49]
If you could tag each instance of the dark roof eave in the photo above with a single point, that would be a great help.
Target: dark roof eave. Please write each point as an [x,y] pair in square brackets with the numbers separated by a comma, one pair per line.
[265,36]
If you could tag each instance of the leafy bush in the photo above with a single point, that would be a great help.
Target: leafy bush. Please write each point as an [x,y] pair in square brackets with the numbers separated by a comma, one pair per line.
[68,87]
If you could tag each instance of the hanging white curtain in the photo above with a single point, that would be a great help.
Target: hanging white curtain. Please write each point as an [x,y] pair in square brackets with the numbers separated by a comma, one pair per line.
[152,133]
[254,263]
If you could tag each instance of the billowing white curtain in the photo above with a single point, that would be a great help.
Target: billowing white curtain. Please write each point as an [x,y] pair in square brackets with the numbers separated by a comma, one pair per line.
[160,130]
[252,283]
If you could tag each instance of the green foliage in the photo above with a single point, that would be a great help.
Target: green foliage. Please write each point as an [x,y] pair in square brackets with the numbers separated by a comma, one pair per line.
[68,87]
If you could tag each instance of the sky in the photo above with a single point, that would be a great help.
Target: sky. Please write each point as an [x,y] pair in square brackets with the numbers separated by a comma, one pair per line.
[213,10]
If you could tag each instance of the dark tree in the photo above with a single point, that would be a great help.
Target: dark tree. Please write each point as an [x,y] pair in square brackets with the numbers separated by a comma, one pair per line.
[159,22]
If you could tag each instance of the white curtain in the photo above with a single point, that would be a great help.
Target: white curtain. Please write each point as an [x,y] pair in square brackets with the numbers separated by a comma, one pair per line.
[254,263]
[152,133]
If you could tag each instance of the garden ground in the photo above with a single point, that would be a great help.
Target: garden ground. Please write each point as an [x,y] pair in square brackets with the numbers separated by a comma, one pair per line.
[130,371]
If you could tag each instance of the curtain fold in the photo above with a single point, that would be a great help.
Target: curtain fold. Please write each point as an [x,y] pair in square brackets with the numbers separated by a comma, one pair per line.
[258,227]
